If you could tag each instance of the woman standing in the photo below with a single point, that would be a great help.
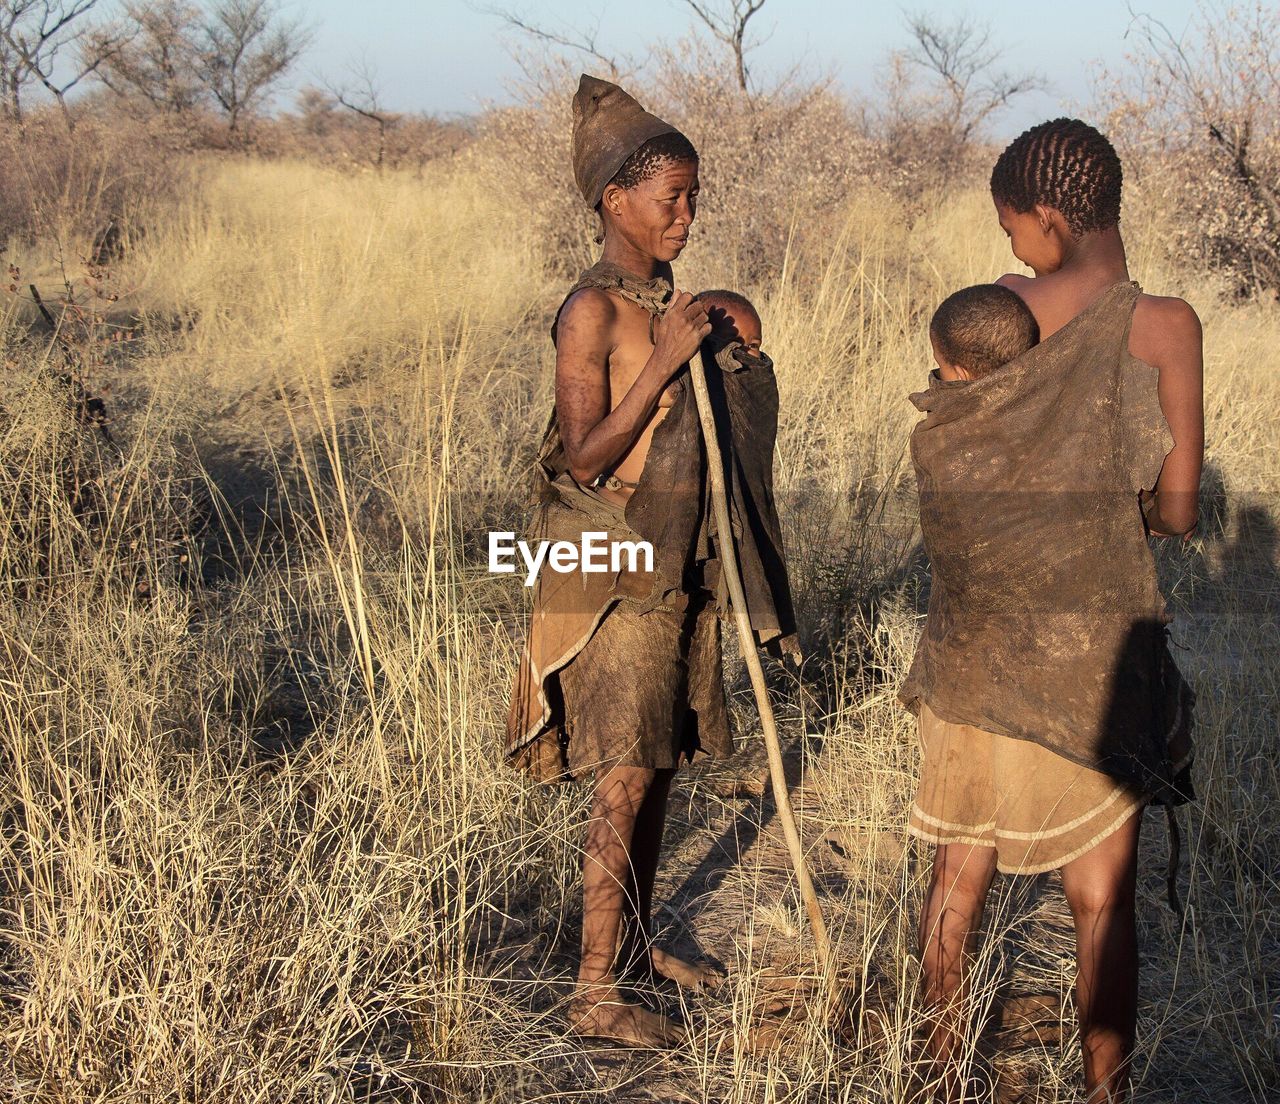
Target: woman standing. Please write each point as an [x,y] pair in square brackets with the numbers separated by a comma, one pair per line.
[1050,710]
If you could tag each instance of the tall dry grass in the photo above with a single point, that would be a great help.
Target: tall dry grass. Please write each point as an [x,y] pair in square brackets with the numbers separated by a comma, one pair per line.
[258,840]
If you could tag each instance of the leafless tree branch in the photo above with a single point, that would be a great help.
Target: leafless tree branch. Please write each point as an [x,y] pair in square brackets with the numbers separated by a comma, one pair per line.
[156,58]
[586,42]
[244,48]
[961,57]
[1229,98]
[727,21]
[362,96]
[34,34]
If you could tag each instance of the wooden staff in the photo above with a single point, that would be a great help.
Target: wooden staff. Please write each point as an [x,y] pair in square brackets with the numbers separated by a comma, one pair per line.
[738,599]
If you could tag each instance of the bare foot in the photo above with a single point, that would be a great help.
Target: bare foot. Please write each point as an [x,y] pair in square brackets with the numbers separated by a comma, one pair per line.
[692,975]
[600,1012]
[649,965]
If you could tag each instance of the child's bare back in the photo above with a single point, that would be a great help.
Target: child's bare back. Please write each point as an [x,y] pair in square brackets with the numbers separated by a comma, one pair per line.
[1165,334]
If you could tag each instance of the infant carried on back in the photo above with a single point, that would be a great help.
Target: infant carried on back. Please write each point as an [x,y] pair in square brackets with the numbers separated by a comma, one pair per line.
[1049,706]
[979,329]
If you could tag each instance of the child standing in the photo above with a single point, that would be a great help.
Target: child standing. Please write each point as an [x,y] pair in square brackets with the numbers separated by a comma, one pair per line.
[1050,711]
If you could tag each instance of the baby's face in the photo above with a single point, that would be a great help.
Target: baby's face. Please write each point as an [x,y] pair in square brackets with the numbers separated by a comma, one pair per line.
[946,369]
[740,325]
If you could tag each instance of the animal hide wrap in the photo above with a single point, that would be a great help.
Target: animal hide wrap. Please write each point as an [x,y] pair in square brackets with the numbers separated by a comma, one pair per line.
[1045,619]
[670,508]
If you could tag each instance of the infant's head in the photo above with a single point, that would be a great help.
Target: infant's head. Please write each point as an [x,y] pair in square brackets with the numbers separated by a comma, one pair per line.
[978,329]
[732,318]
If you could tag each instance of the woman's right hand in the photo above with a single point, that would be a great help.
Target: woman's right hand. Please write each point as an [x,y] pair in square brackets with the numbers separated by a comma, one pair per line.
[679,332]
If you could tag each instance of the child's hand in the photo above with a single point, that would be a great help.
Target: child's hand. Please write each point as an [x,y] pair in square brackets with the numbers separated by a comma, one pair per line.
[679,332]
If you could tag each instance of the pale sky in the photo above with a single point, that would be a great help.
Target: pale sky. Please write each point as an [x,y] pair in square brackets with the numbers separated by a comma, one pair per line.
[448,56]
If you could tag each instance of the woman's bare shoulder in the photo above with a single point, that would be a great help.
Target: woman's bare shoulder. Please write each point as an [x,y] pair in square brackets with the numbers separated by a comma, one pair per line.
[585,324]
[588,306]
[1042,296]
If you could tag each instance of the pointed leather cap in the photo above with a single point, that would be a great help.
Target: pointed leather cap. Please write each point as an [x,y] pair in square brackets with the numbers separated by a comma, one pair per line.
[608,127]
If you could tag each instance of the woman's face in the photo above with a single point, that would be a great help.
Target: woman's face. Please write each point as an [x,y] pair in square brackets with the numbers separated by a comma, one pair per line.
[1036,236]
[654,217]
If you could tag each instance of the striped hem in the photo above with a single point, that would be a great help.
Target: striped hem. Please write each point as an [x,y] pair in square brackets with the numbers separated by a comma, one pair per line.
[1009,833]
[963,834]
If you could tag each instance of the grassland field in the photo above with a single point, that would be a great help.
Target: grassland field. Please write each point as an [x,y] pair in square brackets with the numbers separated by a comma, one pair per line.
[259,844]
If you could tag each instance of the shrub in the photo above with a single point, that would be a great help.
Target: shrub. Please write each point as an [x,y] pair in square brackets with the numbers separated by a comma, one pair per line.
[774,165]
[61,188]
[1195,118]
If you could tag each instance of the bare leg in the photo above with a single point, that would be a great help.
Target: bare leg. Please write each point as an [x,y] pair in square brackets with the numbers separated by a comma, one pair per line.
[640,957]
[949,923]
[598,1007]
[1100,888]
[636,930]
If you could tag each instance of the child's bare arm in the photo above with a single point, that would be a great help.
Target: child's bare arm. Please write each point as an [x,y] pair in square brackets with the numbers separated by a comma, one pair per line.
[595,437]
[1168,336]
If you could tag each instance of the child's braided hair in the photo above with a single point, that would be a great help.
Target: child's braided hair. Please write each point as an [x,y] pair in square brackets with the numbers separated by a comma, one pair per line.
[1065,164]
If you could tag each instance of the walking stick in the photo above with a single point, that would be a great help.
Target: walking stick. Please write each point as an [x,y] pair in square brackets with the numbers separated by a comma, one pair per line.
[738,599]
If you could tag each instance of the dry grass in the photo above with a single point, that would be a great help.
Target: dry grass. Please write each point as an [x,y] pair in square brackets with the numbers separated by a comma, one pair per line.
[258,841]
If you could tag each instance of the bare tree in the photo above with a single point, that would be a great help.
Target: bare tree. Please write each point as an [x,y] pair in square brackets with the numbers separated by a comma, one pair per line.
[962,58]
[36,34]
[13,74]
[1231,102]
[362,96]
[156,58]
[244,48]
[727,21]
[583,40]
[1205,102]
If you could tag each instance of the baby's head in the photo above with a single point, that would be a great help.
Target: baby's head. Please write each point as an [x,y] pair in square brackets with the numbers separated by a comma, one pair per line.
[732,318]
[978,329]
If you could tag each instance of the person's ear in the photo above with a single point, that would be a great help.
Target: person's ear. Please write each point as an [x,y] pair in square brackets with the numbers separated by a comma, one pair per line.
[1052,222]
[611,200]
[961,371]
